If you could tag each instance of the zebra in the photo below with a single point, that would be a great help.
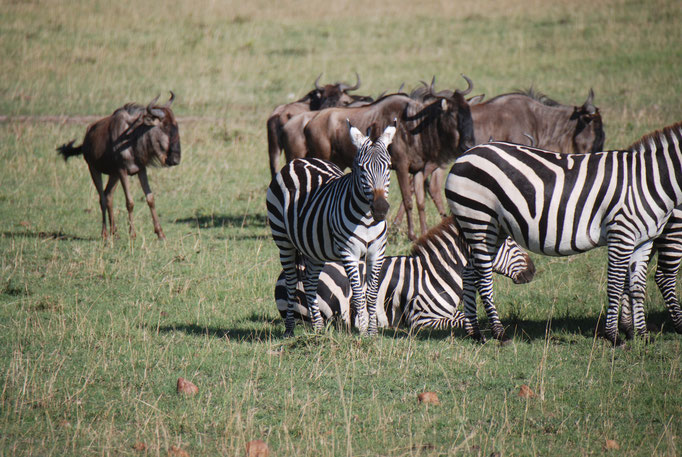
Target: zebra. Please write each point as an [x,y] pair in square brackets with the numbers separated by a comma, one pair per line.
[669,248]
[422,290]
[318,214]
[564,204]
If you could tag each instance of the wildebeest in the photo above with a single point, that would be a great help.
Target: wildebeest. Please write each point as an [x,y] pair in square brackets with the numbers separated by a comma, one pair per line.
[321,97]
[124,144]
[432,132]
[514,116]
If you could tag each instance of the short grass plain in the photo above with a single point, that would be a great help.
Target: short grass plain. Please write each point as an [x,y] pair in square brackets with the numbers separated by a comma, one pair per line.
[94,335]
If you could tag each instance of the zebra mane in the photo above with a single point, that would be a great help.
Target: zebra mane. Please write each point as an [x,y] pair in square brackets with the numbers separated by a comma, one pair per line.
[665,131]
[448,225]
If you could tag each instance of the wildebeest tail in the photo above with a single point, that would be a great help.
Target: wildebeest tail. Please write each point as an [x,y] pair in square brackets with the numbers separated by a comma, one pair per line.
[67,150]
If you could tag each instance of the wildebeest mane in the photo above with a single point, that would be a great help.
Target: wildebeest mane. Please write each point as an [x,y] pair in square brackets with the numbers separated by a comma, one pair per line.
[532,94]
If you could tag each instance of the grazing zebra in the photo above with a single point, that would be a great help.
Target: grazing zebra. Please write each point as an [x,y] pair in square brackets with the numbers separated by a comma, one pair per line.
[317,214]
[423,289]
[563,204]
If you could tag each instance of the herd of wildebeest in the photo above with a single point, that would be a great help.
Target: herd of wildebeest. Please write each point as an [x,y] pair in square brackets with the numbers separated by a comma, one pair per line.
[421,134]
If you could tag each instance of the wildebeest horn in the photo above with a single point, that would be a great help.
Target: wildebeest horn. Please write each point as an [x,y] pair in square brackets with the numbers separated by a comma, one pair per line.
[170,100]
[531,138]
[588,105]
[317,81]
[469,89]
[431,86]
[153,103]
[345,87]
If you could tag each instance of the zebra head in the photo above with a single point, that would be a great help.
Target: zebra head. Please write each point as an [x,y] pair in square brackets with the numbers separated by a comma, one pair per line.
[372,169]
[512,261]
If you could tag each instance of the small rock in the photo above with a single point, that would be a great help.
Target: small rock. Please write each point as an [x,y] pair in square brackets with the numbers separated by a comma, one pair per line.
[611,445]
[176,451]
[525,392]
[257,448]
[428,398]
[187,387]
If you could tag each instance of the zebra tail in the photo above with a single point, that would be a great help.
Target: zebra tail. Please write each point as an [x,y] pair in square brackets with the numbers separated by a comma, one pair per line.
[68,150]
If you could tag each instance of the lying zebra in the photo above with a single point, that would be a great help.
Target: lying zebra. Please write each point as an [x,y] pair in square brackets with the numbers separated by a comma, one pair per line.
[422,290]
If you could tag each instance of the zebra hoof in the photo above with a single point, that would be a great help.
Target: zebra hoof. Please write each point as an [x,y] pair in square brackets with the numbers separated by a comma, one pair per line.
[505,342]
[477,337]
[289,333]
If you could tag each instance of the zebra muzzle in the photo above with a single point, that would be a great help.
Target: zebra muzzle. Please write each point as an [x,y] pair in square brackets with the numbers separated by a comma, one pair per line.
[379,206]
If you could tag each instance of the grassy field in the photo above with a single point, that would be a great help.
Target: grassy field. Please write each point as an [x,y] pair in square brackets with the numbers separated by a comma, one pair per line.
[93,335]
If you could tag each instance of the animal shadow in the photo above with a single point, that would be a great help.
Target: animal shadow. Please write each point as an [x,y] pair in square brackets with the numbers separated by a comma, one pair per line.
[53,235]
[207,221]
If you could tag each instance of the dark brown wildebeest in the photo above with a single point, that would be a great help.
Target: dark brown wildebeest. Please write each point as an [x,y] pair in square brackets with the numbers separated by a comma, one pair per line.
[292,136]
[321,97]
[124,144]
[427,133]
[519,116]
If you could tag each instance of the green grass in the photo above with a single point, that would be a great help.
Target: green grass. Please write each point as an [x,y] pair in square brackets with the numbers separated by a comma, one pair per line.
[94,335]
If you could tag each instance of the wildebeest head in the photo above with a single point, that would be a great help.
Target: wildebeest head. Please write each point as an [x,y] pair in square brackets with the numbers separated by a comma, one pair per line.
[161,139]
[455,117]
[589,131]
[372,168]
[331,95]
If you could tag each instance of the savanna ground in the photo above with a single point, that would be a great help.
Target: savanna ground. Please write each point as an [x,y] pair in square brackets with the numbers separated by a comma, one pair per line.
[93,335]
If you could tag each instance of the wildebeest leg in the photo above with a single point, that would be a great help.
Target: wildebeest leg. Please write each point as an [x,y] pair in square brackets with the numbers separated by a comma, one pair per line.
[418,181]
[129,201]
[97,180]
[401,209]
[109,201]
[144,182]
[406,191]
[436,188]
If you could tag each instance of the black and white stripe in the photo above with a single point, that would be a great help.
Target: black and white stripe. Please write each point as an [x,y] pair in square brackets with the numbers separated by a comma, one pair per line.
[563,204]
[317,214]
[421,290]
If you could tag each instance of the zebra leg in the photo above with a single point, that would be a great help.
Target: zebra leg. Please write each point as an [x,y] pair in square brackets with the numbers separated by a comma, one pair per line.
[616,274]
[287,256]
[637,275]
[625,320]
[666,279]
[469,298]
[373,270]
[484,285]
[312,277]
[358,298]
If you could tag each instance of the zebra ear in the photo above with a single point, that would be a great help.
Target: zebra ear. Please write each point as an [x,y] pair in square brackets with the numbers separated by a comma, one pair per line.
[356,136]
[388,134]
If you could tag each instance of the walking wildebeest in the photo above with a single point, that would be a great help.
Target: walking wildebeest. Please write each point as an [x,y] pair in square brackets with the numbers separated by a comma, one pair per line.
[321,97]
[515,116]
[428,132]
[124,144]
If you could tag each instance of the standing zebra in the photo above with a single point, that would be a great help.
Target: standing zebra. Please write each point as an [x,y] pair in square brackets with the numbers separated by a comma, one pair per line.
[423,289]
[563,204]
[317,214]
